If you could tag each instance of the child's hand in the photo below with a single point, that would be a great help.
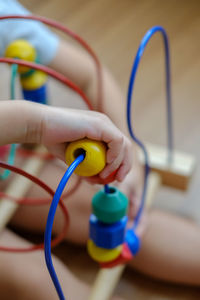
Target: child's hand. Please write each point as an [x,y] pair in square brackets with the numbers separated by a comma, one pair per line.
[26,122]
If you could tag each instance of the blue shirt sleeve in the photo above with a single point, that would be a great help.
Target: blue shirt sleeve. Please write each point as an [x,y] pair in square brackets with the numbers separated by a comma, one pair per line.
[44,41]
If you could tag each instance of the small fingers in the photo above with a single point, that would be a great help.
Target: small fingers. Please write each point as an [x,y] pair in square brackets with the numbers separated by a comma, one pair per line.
[125,165]
[118,158]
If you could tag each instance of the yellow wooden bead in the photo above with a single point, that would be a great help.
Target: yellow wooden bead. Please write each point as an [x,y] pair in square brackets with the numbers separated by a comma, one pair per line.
[95,156]
[34,80]
[103,255]
[21,49]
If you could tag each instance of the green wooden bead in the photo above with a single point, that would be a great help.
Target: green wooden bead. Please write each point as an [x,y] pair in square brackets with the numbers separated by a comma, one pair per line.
[109,207]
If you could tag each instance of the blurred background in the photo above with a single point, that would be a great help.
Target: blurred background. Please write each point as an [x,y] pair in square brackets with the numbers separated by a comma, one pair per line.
[114,29]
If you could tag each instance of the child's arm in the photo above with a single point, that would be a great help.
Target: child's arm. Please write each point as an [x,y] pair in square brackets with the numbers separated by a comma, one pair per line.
[25,122]
[77,65]
[72,61]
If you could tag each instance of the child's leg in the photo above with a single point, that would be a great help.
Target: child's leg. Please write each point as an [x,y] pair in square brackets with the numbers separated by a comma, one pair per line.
[170,246]
[25,277]
[170,249]
[78,204]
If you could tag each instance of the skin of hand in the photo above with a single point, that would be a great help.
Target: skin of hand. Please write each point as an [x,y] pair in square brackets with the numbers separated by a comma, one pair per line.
[78,66]
[26,122]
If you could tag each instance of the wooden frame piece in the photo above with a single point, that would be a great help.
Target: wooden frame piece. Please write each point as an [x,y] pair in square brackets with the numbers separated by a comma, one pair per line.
[176,174]
[18,187]
[107,279]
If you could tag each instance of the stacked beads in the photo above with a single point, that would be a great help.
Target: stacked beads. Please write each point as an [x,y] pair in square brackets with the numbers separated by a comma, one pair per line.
[107,225]
[109,244]
[33,82]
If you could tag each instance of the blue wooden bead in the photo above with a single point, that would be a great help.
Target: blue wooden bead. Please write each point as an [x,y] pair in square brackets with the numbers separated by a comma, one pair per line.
[107,236]
[133,241]
[38,95]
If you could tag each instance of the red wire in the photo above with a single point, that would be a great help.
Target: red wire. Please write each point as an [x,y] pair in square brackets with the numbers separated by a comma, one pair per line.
[43,185]
[67,82]
[30,153]
[64,80]
[69,32]
[39,201]
[60,77]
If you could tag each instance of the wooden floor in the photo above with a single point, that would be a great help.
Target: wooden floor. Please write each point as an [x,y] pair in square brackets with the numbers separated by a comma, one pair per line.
[114,29]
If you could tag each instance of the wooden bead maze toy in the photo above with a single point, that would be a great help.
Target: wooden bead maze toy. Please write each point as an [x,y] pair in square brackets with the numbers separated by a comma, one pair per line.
[110,243]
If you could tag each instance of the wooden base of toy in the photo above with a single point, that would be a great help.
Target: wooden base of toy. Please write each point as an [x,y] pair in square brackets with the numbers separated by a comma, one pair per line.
[107,279]
[176,173]
[105,283]
[19,187]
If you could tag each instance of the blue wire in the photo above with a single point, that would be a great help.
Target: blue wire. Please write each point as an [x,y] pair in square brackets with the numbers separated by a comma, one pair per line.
[50,220]
[138,57]
[106,189]
[12,151]
[72,167]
